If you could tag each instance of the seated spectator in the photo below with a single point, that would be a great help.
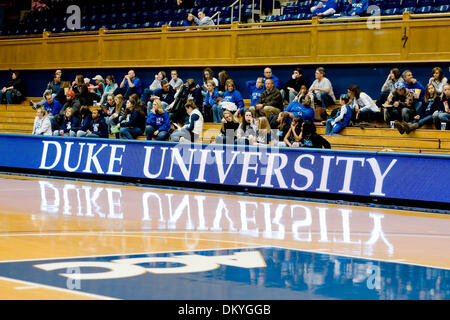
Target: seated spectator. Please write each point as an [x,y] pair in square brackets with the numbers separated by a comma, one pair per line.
[248,128]
[69,122]
[417,89]
[134,98]
[53,86]
[438,80]
[193,129]
[399,104]
[85,120]
[71,101]
[42,124]
[443,113]
[189,21]
[61,95]
[255,90]
[155,86]
[304,92]
[176,109]
[223,77]
[268,74]
[322,90]
[303,110]
[166,95]
[109,108]
[202,19]
[133,121]
[52,106]
[293,136]
[324,8]
[283,128]
[158,122]
[310,139]
[363,106]
[432,102]
[389,85]
[356,8]
[264,134]
[208,74]
[14,91]
[292,87]
[227,133]
[270,101]
[118,114]
[110,87]
[210,101]
[343,117]
[129,85]
[97,126]
[98,87]
[176,83]
[81,91]
[231,100]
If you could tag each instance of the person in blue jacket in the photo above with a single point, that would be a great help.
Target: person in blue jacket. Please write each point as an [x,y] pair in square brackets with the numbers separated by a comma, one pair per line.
[303,109]
[418,91]
[343,117]
[230,95]
[211,99]
[158,122]
[97,126]
[324,8]
[255,90]
[356,8]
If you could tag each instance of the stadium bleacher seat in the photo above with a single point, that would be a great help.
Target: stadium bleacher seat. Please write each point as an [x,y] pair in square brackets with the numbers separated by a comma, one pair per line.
[423,10]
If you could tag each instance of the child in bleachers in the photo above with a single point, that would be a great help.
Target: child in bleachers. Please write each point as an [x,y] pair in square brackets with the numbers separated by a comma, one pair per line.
[442,115]
[42,124]
[343,117]
[248,128]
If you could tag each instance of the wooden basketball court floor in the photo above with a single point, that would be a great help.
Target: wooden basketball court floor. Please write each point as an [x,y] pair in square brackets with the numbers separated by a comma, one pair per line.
[260,246]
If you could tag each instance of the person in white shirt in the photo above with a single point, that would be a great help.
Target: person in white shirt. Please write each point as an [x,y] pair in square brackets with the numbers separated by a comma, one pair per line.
[42,124]
[322,89]
[438,80]
[362,104]
[175,82]
[202,19]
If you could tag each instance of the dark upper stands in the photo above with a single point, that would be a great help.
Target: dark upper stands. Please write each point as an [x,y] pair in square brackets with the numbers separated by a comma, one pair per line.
[119,14]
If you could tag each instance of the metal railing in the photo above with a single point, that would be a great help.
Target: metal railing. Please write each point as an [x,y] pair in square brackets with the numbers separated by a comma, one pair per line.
[232,10]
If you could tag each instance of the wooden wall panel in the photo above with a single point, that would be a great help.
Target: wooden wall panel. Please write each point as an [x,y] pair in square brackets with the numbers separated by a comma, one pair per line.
[240,45]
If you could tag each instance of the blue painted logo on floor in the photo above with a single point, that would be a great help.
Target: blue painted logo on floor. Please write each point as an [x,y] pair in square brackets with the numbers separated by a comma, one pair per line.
[241,274]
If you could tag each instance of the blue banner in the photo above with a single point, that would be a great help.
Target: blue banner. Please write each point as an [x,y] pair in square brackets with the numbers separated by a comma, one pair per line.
[369,174]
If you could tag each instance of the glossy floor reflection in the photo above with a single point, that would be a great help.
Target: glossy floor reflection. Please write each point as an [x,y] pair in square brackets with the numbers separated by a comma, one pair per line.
[199,245]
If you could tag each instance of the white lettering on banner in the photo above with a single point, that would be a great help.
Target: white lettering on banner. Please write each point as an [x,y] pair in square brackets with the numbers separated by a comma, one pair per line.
[308,174]
[379,177]
[92,157]
[113,159]
[126,268]
[201,171]
[44,155]
[219,162]
[148,155]
[348,172]
[325,172]
[67,157]
[277,171]
[177,155]
[246,167]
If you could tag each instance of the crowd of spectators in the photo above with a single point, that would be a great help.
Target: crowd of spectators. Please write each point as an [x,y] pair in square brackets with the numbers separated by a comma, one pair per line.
[173,109]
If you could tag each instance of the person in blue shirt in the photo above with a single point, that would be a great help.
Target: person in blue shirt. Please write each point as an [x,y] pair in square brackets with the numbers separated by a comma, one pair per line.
[210,101]
[230,95]
[255,90]
[97,126]
[356,8]
[343,117]
[129,85]
[158,122]
[324,8]
[303,109]
[53,107]
[418,91]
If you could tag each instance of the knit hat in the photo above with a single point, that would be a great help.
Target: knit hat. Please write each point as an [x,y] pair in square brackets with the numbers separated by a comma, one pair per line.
[70,93]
